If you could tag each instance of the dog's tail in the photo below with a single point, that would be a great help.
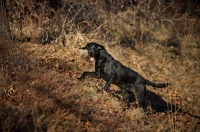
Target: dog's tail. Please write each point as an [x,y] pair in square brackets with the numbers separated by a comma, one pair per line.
[162,85]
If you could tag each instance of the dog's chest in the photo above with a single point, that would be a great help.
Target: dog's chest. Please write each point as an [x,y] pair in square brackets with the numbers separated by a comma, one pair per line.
[107,66]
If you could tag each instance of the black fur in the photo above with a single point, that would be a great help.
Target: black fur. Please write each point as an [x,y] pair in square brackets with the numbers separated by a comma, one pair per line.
[113,72]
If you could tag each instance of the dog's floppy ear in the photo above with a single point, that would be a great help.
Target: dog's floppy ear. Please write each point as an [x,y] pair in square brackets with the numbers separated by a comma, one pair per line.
[99,47]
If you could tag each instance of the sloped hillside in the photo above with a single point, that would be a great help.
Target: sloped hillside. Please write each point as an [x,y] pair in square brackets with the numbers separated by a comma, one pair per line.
[40,64]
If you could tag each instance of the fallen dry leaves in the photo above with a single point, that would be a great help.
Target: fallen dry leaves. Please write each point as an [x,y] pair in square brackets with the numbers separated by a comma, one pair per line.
[60,102]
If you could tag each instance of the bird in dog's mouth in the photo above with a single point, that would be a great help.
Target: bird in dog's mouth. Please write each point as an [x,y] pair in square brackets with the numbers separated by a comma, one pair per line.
[83,53]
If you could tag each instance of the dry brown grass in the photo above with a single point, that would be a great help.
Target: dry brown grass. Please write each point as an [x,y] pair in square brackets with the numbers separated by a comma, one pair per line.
[45,87]
[39,90]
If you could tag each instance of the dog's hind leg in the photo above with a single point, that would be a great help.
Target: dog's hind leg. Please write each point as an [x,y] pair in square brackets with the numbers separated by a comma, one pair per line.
[126,96]
[140,93]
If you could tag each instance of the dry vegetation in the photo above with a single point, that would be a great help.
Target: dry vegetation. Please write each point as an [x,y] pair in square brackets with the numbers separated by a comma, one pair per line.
[39,66]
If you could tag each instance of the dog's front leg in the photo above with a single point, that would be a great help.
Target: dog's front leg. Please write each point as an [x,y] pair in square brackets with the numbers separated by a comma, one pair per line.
[108,83]
[95,74]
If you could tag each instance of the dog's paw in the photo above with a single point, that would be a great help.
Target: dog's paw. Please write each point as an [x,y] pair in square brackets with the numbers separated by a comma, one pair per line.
[106,92]
[99,91]
[80,78]
[110,92]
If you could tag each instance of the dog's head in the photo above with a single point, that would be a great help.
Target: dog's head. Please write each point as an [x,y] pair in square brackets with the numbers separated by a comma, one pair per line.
[93,49]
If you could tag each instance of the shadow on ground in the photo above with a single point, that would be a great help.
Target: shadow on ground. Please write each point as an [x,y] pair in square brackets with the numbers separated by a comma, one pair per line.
[160,105]
[157,104]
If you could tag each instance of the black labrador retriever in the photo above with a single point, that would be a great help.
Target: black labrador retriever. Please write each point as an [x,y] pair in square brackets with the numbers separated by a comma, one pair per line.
[113,72]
